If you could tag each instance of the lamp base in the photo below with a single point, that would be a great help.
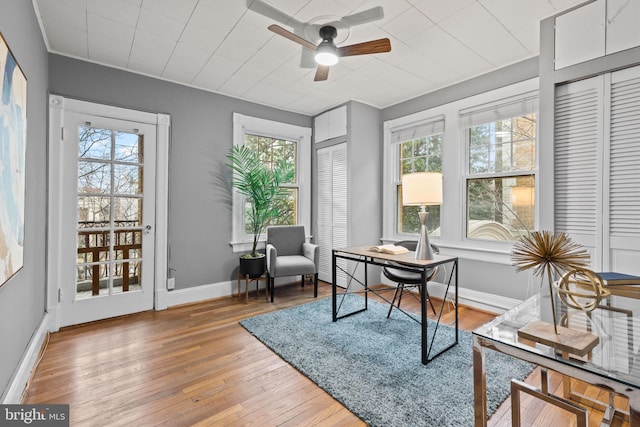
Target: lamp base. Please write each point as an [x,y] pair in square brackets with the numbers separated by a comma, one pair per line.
[423,249]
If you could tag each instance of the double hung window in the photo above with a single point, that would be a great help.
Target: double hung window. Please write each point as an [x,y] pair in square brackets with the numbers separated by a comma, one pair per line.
[274,151]
[417,148]
[275,142]
[501,167]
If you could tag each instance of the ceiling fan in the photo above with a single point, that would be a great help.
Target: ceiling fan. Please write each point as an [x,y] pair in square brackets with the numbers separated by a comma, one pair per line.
[327,53]
[310,29]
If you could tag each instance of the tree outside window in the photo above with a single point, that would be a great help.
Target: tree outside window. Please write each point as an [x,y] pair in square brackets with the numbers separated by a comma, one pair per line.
[272,151]
[418,155]
[501,178]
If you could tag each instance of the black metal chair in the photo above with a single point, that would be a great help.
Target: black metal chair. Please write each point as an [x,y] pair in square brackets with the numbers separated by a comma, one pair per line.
[408,280]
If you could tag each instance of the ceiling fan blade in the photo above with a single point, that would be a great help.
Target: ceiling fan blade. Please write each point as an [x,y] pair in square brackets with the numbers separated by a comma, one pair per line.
[369,15]
[365,48]
[322,73]
[265,9]
[293,37]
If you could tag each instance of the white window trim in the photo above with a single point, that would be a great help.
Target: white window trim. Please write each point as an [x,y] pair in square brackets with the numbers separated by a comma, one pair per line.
[452,238]
[240,241]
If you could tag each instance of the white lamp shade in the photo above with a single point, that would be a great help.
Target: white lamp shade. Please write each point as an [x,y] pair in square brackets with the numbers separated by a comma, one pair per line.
[422,188]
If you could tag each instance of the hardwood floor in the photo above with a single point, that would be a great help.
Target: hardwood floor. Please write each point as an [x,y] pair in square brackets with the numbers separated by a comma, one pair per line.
[195,365]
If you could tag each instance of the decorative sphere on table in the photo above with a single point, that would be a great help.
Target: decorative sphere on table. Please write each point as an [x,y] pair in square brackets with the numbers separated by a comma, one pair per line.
[581,289]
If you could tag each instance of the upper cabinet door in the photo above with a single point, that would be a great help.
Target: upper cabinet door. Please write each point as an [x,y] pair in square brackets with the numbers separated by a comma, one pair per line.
[580,34]
[331,124]
[623,31]
[596,29]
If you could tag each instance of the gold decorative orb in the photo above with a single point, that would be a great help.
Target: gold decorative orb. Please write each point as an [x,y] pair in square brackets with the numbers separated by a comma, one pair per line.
[581,289]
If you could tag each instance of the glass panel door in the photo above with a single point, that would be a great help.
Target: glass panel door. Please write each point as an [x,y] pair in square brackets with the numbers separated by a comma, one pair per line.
[109,205]
[110,198]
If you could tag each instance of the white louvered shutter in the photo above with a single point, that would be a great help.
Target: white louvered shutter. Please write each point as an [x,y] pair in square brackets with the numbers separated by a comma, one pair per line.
[578,174]
[624,173]
[332,214]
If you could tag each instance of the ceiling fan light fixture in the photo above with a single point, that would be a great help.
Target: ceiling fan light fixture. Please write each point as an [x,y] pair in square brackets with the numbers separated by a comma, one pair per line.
[326,54]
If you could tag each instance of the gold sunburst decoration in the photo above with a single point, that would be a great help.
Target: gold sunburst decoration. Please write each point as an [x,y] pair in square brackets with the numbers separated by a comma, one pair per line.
[548,253]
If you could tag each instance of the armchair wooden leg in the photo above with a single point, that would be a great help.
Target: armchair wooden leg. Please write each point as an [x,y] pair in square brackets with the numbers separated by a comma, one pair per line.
[272,281]
[302,281]
[315,285]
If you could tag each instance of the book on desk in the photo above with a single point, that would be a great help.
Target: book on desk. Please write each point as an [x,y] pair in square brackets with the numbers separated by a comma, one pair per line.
[389,249]
[620,281]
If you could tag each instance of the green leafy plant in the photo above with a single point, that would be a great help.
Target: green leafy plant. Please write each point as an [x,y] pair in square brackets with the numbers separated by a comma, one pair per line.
[260,184]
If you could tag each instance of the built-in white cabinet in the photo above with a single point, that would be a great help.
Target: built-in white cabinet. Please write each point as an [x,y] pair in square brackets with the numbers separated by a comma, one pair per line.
[331,124]
[347,185]
[598,28]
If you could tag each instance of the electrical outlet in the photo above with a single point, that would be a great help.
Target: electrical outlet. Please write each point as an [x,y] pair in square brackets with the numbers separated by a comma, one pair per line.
[171,283]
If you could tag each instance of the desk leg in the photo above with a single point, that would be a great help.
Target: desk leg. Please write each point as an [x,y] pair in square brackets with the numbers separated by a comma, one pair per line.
[423,316]
[455,266]
[334,307]
[479,384]
[366,284]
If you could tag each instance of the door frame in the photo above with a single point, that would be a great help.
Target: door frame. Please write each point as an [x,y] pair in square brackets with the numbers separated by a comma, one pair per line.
[58,105]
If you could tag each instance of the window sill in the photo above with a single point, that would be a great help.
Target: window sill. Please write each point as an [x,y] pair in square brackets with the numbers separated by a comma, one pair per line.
[245,246]
[471,251]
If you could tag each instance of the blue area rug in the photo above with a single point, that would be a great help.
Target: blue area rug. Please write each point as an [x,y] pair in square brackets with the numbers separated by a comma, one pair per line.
[371,364]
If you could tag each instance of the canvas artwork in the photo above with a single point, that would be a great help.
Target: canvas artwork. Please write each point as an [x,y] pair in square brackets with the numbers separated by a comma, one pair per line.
[13,135]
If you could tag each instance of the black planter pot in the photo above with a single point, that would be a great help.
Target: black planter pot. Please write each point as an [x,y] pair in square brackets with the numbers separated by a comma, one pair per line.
[254,267]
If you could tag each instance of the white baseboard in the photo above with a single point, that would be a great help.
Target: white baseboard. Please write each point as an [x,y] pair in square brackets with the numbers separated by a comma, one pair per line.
[476,299]
[213,290]
[200,293]
[18,383]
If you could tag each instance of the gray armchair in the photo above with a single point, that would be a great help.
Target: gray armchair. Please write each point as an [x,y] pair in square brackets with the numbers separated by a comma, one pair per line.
[288,254]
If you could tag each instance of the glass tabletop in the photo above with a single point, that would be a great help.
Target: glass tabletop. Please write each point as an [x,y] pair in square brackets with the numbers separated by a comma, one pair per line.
[615,321]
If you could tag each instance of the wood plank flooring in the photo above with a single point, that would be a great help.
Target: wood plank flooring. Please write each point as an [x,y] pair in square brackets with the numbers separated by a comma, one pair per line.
[195,365]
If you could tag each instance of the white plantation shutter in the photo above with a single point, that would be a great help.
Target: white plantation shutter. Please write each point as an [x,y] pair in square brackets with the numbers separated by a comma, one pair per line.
[624,156]
[578,132]
[578,141]
[332,212]
[323,229]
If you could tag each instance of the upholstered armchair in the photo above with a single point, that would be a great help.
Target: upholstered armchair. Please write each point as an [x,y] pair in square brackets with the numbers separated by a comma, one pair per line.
[288,254]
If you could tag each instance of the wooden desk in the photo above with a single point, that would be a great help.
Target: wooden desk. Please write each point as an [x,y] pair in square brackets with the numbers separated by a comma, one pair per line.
[406,261]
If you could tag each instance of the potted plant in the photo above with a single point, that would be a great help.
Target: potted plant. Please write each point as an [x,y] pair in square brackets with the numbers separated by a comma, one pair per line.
[260,184]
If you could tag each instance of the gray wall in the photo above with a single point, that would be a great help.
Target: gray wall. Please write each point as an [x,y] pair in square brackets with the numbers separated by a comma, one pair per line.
[201,134]
[22,298]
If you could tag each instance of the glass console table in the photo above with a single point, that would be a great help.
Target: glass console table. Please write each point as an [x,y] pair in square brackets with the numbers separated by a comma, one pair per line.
[613,364]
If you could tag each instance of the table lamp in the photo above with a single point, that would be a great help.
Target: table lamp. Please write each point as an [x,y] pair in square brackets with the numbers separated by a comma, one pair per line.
[422,189]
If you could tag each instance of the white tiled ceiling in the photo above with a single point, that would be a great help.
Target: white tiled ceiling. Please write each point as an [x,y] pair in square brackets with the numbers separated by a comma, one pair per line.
[224,46]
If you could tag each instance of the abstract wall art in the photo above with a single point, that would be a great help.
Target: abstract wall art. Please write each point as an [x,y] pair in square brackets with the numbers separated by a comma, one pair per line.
[13,137]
